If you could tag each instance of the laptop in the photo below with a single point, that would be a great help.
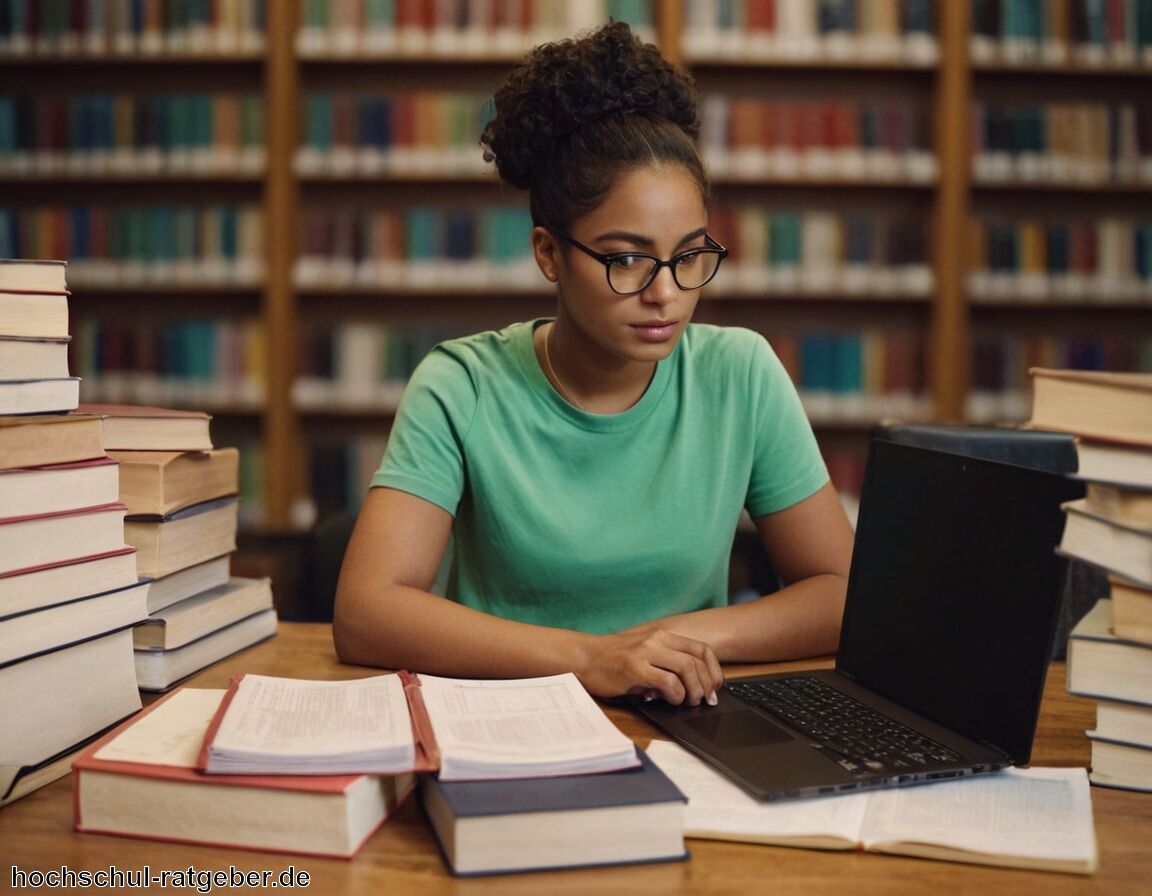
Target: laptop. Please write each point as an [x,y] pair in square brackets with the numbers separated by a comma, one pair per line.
[953,597]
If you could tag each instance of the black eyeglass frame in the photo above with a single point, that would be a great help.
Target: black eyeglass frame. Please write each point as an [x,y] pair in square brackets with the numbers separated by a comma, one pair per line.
[713,248]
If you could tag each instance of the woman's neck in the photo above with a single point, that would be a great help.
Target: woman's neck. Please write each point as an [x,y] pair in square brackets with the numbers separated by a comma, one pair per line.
[587,377]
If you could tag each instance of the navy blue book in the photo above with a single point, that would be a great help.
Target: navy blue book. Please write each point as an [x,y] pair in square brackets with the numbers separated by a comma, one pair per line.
[536,824]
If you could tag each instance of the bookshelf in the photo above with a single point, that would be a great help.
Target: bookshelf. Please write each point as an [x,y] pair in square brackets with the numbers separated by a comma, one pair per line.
[335,149]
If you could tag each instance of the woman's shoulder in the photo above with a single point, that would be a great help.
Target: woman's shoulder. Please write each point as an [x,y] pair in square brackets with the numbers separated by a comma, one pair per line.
[486,349]
[728,346]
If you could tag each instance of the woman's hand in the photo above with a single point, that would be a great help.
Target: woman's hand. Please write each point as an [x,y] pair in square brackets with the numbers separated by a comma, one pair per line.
[652,661]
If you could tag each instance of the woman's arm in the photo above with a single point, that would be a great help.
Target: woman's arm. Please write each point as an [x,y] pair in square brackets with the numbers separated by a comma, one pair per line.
[810,546]
[386,616]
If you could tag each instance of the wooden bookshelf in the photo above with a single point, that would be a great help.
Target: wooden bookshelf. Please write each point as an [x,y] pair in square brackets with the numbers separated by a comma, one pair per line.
[947,316]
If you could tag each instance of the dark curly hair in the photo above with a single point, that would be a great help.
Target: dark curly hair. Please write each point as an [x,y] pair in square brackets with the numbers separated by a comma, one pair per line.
[578,113]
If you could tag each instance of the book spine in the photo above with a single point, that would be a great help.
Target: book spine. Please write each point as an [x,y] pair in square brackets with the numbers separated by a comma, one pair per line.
[753,139]
[448,28]
[143,245]
[1102,260]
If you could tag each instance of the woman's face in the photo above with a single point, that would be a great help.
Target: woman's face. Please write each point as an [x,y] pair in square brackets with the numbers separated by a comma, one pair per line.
[658,211]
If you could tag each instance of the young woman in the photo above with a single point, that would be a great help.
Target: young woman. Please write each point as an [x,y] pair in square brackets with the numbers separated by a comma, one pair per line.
[587,472]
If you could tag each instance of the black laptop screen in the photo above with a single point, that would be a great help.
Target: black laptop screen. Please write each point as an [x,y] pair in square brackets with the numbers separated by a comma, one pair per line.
[955,589]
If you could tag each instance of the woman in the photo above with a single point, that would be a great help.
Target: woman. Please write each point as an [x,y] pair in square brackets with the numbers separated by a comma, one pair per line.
[589,470]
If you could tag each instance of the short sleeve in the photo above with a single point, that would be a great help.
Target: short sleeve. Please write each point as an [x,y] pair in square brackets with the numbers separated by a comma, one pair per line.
[788,466]
[425,451]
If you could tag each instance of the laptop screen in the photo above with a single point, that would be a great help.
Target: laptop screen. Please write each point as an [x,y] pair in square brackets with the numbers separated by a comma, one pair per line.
[955,589]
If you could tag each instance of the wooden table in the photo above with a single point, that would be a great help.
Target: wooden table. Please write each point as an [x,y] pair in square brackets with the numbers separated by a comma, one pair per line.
[401,858]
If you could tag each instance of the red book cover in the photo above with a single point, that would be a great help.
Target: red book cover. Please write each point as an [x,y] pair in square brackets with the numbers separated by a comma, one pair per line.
[844,125]
[810,126]
[1115,15]
[344,120]
[786,126]
[744,127]
[761,16]
[88,761]
[404,120]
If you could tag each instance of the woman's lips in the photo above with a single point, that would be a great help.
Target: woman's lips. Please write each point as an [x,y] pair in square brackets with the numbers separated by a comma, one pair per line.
[655,330]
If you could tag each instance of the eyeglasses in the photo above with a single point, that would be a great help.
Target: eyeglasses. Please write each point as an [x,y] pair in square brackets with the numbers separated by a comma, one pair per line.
[633,272]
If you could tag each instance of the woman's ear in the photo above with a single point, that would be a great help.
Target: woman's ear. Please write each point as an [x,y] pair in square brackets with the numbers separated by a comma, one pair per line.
[546,250]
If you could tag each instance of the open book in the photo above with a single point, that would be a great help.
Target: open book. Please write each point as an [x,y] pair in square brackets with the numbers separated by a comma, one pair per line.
[1025,818]
[386,724]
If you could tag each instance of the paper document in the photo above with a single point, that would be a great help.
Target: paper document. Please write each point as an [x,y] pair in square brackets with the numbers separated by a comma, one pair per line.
[1027,818]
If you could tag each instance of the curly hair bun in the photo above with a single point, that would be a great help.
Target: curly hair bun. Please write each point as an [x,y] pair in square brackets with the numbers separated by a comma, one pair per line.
[562,87]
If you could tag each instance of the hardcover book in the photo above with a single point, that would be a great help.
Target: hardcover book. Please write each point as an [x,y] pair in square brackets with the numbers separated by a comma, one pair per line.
[178,540]
[495,827]
[141,781]
[161,482]
[49,439]
[144,428]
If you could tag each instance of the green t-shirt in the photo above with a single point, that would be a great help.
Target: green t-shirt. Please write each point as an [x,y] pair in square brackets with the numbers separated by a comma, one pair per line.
[598,522]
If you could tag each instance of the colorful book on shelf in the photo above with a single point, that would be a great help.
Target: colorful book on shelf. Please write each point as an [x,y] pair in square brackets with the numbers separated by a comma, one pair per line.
[159,669]
[192,535]
[611,818]
[53,701]
[532,727]
[141,781]
[162,482]
[1038,818]
[143,428]
[39,439]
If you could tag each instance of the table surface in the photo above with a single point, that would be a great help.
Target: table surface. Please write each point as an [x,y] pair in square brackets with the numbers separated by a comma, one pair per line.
[402,857]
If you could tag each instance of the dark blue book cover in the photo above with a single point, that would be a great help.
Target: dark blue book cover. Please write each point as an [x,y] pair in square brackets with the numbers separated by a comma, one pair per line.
[559,822]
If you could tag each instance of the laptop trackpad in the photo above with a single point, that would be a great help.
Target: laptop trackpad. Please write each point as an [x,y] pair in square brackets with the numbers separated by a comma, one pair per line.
[742,728]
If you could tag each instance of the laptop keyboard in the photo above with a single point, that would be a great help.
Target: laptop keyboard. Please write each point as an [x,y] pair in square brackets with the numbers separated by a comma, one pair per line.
[856,736]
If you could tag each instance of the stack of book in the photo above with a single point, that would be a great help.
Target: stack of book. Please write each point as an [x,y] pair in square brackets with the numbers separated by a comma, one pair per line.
[517,775]
[34,339]
[1110,650]
[180,495]
[69,590]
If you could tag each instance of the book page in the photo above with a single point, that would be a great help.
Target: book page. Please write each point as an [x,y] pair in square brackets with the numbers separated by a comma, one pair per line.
[171,734]
[522,724]
[311,720]
[719,810]
[1045,813]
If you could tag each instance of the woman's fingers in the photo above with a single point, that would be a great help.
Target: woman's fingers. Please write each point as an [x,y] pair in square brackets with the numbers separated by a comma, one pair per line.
[679,669]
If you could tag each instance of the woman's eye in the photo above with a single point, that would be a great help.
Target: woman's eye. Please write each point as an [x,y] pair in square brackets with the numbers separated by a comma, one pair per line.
[626,261]
[687,260]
